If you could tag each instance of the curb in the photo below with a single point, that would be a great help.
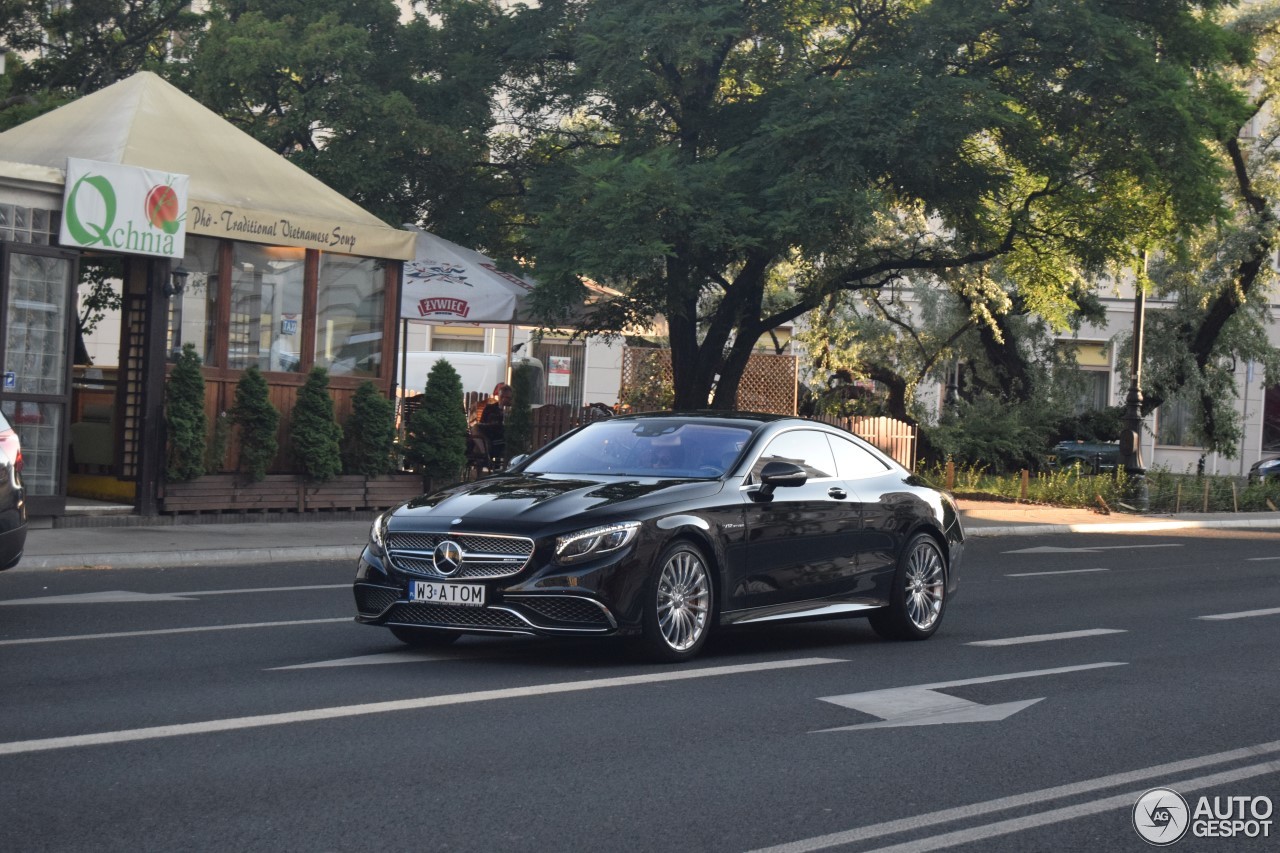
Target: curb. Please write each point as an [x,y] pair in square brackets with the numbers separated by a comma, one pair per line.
[1116,527]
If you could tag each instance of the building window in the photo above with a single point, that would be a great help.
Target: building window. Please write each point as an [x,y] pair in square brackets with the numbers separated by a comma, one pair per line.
[457,339]
[1174,419]
[193,312]
[1271,420]
[267,284]
[35,225]
[349,315]
[1092,397]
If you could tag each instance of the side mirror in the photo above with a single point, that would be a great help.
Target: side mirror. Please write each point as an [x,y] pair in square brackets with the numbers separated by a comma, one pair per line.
[516,460]
[780,475]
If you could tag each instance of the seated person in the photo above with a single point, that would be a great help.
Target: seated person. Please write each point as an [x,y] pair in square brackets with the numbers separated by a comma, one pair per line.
[489,424]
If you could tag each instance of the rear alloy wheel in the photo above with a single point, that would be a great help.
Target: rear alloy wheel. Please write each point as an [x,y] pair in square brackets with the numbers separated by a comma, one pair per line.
[918,597]
[678,605]
[423,638]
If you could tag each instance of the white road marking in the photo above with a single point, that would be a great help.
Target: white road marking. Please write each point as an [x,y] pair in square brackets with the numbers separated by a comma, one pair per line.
[919,705]
[1244,614]
[1159,772]
[344,711]
[162,631]
[1052,549]
[405,656]
[120,596]
[1044,638]
[1061,572]
[1259,559]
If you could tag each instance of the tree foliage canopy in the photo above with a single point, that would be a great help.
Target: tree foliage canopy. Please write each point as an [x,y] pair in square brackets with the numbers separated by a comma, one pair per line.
[687,153]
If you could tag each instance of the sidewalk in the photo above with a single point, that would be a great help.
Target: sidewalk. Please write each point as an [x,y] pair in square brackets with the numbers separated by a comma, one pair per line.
[175,545]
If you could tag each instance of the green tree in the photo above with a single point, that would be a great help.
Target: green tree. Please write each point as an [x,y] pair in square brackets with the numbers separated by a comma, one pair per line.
[314,433]
[518,428]
[185,418]
[713,148]
[436,443]
[80,47]
[257,421]
[391,115]
[370,433]
[1217,281]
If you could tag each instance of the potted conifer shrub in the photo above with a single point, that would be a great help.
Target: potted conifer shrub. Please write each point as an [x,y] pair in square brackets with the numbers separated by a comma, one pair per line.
[257,421]
[314,435]
[436,443]
[185,418]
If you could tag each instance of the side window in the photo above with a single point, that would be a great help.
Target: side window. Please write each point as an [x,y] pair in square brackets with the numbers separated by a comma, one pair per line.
[853,462]
[803,447]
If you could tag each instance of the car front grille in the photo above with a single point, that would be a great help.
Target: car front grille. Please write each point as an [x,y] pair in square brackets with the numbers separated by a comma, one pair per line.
[483,555]
[578,611]
[461,617]
[372,600]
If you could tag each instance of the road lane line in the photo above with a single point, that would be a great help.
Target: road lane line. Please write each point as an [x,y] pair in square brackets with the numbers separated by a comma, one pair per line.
[1243,614]
[120,596]
[343,711]
[1031,798]
[1062,572]
[1257,559]
[1118,801]
[1044,638]
[163,631]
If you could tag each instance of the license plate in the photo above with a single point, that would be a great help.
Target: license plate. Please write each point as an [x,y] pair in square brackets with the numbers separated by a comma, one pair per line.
[460,594]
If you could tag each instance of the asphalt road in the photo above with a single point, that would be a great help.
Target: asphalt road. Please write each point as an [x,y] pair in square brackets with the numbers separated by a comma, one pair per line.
[242,709]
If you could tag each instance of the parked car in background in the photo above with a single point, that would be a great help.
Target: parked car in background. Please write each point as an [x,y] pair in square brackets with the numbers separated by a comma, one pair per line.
[13,505]
[1265,469]
[661,527]
[1092,457]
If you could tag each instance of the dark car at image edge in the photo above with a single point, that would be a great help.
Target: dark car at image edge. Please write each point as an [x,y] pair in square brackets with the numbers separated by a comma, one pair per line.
[662,527]
[13,506]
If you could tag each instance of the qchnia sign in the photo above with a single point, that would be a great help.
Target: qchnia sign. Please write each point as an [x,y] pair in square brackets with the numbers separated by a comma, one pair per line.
[124,209]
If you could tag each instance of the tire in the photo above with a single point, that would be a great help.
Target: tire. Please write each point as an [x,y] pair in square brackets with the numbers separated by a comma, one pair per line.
[919,595]
[423,638]
[679,601]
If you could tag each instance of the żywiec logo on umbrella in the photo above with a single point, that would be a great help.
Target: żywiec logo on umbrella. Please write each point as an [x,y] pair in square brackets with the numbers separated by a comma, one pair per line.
[443,305]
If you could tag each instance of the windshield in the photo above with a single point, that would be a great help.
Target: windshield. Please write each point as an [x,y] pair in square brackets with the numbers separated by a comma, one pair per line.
[652,447]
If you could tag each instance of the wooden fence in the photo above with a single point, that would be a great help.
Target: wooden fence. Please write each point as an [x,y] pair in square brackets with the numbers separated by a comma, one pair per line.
[896,438]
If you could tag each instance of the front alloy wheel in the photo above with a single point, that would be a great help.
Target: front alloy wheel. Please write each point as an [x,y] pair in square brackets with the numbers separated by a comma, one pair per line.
[678,603]
[918,597]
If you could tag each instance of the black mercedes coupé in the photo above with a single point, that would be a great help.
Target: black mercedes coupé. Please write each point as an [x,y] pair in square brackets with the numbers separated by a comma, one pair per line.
[662,527]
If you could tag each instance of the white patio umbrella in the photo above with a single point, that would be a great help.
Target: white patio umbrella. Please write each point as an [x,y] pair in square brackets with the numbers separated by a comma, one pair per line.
[448,283]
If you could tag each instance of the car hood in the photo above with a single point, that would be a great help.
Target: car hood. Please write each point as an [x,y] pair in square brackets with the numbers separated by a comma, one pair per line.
[526,501]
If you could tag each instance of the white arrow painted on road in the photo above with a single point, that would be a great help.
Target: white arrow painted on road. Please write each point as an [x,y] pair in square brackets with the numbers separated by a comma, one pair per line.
[1051,549]
[370,660]
[920,705]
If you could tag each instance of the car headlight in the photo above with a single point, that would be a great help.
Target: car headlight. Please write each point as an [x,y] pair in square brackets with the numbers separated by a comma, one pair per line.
[378,534]
[574,547]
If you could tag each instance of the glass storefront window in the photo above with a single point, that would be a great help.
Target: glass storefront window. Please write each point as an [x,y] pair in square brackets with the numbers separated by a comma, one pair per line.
[266,307]
[39,428]
[349,315]
[36,351]
[193,312]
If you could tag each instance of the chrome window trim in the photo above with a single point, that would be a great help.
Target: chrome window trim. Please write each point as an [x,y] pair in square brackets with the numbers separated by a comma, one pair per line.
[756,458]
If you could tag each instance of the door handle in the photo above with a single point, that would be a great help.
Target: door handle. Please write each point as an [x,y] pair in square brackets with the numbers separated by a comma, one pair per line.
[837,493]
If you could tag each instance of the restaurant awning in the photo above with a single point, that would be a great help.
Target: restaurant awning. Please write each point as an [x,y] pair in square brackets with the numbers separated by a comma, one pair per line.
[239,189]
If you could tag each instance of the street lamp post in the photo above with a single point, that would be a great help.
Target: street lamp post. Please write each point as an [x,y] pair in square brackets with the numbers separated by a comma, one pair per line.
[1131,439]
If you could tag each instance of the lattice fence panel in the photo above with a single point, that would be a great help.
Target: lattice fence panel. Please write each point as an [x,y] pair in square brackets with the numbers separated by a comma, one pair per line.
[768,384]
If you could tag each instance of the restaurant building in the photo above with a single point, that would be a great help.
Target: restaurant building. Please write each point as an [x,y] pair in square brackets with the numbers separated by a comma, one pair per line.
[220,242]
